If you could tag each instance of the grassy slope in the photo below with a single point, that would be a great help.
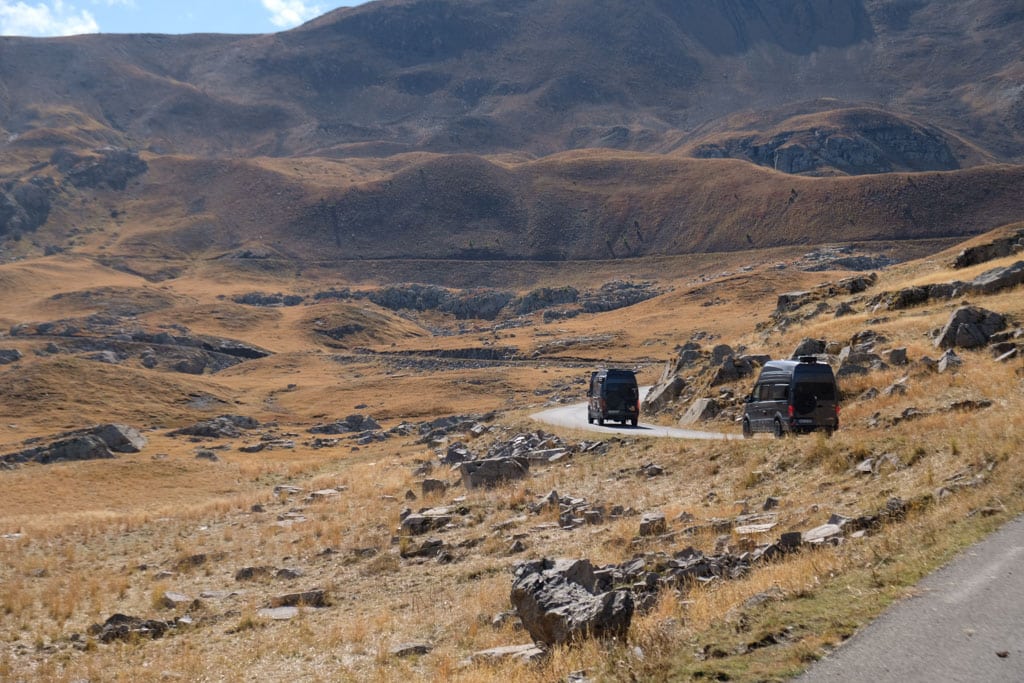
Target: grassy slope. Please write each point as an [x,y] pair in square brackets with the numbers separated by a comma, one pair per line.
[90,528]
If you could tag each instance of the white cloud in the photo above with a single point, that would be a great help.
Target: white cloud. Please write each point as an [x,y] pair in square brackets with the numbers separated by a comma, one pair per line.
[289,13]
[44,19]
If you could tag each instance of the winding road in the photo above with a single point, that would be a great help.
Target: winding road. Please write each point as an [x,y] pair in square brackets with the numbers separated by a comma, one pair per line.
[575,417]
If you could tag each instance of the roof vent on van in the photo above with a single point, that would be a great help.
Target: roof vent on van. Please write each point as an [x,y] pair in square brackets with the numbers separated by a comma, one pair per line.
[808,359]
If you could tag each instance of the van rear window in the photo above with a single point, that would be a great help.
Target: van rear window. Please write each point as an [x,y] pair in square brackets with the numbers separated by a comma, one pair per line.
[823,391]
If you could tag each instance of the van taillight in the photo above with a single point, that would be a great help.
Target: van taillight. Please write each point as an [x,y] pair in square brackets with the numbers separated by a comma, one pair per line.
[791,411]
[837,410]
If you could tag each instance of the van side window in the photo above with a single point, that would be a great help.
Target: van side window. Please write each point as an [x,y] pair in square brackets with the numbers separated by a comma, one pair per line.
[762,392]
[778,392]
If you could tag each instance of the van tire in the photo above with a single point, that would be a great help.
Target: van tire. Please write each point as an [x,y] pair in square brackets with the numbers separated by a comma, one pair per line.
[590,418]
[777,429]
[633,421]
[747,431]
[600,421]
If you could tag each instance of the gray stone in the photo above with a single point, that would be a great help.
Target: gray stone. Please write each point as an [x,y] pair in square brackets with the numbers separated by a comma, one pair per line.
[950,362]
[997,279]
[558,604]
[653,524]
[823,534]
[809,347]
[278,613]
[526,654]
[969,327]
[8,356]
[173,600]
[663,394]
[120,438]
[410,649]
[896,356]
[316,597]
[434,487]
[700,410]
[492,472]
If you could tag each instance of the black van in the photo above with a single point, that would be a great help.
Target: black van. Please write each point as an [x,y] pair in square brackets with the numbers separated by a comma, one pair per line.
[613,395]
[793,396]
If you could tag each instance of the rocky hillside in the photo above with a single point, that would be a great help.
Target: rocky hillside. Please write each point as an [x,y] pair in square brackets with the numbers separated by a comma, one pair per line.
[486,132]
[486,76]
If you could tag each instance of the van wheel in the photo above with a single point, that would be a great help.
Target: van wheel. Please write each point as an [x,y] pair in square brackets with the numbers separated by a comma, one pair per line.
[600,421]
[633,421]
[590,419]
[778,430]
[747,431]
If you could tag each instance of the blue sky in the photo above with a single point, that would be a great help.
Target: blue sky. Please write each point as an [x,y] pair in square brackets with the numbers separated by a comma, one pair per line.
[71,17]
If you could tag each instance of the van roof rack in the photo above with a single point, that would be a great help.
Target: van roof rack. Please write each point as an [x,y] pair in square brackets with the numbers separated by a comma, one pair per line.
[808,359]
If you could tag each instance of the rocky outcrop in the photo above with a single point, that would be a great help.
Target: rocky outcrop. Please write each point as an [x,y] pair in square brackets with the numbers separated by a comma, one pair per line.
[998,279]
[224,426]
[857,142]
[106,167]
[25,206]
[999,248]
[95,443]
[564,601]
[114,339]
[490,304]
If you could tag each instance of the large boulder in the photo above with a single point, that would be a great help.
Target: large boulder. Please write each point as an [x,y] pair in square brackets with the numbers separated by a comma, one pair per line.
[992,281]
[969,327]
[700,410]
[8,356]
[559,602]
[492,472]
[809,347]
[120,438]
[663,393]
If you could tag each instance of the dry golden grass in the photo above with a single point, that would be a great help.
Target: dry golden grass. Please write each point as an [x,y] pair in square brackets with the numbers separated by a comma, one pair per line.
[82,541]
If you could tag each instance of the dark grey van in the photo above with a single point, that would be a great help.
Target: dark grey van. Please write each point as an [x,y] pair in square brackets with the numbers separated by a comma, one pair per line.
[613,395]
[793,396]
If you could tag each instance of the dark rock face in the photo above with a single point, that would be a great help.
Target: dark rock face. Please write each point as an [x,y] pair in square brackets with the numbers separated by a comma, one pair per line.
[25,206]
[559,603]
[111,168]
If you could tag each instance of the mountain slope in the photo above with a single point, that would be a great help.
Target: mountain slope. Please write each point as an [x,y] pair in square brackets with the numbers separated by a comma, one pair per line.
[542,76]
